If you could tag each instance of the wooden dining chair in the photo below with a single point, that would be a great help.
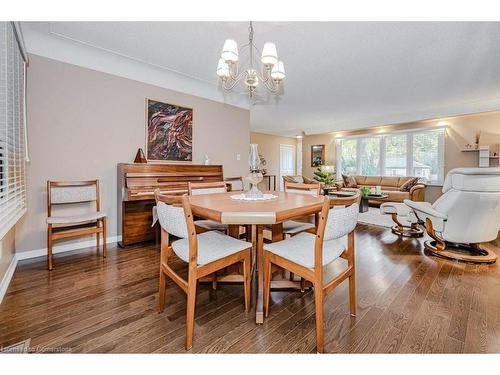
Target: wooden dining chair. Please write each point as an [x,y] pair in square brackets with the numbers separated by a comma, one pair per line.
[67,226]
[205,253]
[236,183]
[216,187]
[306,254]
[293,227]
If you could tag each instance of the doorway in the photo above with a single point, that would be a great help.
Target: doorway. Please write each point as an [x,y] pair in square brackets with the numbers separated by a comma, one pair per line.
[287,163]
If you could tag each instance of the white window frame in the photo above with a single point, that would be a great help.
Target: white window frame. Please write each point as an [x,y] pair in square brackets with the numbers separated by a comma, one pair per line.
[12,126]
[382,151]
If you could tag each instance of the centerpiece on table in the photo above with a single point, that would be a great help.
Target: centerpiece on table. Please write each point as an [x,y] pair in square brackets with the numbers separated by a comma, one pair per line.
[254,178]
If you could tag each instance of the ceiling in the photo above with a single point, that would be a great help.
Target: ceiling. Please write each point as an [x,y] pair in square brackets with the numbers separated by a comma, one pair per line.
[340,75]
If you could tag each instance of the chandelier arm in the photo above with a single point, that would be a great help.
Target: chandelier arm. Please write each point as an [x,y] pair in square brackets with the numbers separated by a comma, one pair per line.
[269,82]
[230,86]
[272,85]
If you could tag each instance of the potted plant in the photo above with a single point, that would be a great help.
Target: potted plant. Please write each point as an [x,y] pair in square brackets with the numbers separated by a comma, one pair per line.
[325,174]
[365,191]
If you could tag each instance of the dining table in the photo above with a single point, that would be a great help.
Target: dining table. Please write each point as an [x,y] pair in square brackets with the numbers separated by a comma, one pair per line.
[256,214]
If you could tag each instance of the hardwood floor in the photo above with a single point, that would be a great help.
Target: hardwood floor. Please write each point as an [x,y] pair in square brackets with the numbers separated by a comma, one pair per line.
[407,303]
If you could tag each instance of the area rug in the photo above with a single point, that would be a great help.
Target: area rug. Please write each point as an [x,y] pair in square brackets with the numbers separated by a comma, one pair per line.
[374,217]
[18,347]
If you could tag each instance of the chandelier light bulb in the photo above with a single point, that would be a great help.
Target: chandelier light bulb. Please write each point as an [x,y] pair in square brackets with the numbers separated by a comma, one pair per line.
[278,71]
[230,51]
[269,54]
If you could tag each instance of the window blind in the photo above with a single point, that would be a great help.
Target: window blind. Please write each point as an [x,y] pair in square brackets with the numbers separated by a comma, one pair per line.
[12,129]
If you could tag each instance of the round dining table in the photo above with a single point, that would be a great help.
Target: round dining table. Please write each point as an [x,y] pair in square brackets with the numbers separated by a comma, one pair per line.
[224,209]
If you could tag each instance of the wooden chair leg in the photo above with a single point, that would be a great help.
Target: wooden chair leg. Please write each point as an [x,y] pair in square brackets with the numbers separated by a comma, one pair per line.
[318,300]
[191,302]
[214,281]
[267,282]
[49,247]
[352,294]
[161,291]
[104,239]
[98,239]
[247,264]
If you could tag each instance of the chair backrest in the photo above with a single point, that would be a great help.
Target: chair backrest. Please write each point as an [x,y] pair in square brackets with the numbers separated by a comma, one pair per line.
[338,218]
[71,192]
[198,188]
[170,211]
[471,202]
[235,182]
[176,218]
[306,189]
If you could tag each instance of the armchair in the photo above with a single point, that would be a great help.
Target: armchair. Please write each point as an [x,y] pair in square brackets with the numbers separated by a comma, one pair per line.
[467,214]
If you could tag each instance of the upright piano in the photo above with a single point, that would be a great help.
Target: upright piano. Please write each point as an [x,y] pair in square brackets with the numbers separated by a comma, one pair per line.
[136,185]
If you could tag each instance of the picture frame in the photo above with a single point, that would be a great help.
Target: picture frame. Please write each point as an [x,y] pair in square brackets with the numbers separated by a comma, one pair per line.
[317,155]
[168,132]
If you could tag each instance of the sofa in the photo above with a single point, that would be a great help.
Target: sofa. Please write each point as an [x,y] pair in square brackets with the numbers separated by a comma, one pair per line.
[299,179]
[390,186]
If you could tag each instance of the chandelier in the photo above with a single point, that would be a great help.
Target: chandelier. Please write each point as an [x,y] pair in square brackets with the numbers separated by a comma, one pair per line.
[272,70]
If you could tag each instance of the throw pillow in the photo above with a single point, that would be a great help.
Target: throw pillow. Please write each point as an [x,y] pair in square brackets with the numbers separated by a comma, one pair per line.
[409,184]
[349,181]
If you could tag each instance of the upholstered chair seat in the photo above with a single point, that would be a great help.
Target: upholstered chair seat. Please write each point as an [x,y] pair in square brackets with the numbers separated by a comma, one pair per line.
[300,249]
[211,225]
[75,219]
[212,246]
[293,227]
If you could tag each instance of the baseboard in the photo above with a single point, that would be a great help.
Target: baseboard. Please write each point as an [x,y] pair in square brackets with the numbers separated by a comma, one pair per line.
[62,248]
[7,277]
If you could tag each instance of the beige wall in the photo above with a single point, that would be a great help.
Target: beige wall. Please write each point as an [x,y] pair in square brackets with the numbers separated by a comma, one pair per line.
[6,251]
[460,131]
[81,123]
[269,147]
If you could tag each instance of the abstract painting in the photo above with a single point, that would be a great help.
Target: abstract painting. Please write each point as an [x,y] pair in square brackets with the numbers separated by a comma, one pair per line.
[169,132]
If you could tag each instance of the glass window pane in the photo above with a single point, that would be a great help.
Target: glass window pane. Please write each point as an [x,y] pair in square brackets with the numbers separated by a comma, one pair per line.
[395,155]
[426,155]
[348,152]
[370,156]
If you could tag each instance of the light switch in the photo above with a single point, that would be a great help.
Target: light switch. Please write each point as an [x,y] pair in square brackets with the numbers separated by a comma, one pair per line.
[238,157]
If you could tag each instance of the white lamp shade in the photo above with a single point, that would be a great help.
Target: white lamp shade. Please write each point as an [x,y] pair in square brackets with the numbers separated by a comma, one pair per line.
[222,68]
[230,51]
[269,54]
[278,71]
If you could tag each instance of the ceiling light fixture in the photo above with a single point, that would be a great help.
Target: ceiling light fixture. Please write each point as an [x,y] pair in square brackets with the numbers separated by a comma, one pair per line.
[272,72]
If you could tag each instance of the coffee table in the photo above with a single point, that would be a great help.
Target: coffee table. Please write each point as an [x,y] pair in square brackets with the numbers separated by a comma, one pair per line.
[363,205]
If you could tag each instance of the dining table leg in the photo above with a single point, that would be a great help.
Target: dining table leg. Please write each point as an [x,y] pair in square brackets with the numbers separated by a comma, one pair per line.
[259,311]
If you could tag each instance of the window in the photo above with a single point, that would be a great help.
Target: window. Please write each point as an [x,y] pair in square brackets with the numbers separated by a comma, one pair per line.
[417,153]
[348,156]
[395,155]
[12,136]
